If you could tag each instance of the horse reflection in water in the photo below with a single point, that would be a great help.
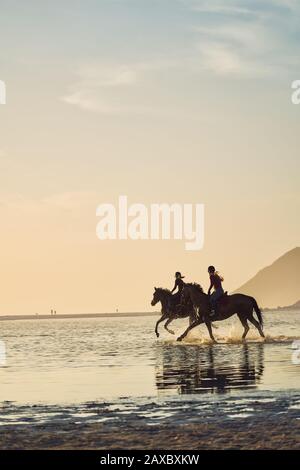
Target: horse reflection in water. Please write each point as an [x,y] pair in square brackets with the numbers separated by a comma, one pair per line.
[191,370]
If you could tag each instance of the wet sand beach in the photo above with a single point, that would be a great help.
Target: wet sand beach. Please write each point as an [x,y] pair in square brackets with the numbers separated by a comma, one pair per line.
[245,435]
[236,423]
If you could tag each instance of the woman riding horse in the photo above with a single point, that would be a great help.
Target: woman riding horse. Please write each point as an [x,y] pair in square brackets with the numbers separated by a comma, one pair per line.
[179,284]
[170,309]
[240,304]
[216,284]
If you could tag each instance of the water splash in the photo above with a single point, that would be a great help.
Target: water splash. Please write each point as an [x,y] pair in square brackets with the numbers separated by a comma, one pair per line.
[232,334]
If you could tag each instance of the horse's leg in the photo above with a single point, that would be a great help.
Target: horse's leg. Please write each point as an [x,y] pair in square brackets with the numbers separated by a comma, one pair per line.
[256,324]
[162,318]
[189,328]
[166,325]
[244,322]
[193,316]
[208,326]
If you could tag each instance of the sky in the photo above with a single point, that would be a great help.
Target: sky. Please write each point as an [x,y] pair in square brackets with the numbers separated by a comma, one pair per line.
[164,101]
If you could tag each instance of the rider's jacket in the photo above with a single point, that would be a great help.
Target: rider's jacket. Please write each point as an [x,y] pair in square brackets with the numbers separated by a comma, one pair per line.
[178,283]
[215,281]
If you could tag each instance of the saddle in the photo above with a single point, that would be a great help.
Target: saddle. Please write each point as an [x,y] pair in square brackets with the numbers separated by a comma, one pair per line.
[179,306]
[223,300]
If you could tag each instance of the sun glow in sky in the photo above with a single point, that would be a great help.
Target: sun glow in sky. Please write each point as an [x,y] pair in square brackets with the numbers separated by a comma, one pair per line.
[164,101]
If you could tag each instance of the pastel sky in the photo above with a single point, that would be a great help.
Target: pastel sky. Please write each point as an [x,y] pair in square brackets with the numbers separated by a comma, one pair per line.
[161,100]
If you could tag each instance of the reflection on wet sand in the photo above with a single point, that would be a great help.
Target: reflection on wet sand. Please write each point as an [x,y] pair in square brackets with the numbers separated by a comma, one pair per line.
[194,369]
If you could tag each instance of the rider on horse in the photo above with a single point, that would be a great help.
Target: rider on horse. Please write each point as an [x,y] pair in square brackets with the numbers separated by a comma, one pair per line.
[179,284]
[216,283]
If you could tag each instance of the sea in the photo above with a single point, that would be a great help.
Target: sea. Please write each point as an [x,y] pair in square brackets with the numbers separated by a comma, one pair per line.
[73,367]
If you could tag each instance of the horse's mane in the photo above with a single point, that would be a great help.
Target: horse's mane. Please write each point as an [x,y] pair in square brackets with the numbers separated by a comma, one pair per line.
[167,291]
[189,284]
[194,284]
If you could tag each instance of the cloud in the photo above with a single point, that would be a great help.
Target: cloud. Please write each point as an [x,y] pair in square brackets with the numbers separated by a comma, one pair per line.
[221,60]
[242,7]
[110,76]
[247,39]
[209,7]
[94,83]
[86,99]
[229,38]
[236,50]
[112,88]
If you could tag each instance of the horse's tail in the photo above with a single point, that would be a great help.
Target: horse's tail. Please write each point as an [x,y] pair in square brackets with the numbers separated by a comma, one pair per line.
[258,312]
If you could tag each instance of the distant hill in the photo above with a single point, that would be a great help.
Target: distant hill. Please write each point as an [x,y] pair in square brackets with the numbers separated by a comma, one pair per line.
[278,284]
[295,306]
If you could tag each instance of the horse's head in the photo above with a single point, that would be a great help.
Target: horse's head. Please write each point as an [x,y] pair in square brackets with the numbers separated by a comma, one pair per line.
[159,295]
[156,296]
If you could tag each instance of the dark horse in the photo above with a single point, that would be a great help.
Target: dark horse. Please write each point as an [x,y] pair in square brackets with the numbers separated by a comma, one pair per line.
[239,304]
[170,310]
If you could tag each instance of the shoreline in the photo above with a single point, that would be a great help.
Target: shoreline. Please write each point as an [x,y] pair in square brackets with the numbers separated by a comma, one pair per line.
[61,316]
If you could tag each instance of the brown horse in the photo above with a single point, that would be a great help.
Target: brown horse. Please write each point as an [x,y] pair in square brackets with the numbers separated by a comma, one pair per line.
[239,304]
[169,310]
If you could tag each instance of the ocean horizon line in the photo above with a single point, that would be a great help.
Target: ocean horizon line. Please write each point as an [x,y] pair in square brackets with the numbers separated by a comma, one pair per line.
[60,316]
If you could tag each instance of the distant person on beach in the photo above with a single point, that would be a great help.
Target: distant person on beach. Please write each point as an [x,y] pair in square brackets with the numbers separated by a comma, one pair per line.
[216,284]
[179,284]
